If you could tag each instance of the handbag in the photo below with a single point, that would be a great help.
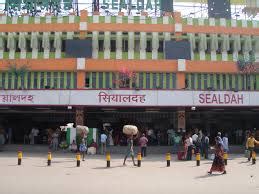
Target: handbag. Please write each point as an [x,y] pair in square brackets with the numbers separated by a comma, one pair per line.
[247,153]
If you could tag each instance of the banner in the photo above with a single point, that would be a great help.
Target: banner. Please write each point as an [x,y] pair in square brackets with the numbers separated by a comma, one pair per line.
[129,98]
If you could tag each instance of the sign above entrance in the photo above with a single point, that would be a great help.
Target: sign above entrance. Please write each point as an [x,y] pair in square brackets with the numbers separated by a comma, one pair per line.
[128,98]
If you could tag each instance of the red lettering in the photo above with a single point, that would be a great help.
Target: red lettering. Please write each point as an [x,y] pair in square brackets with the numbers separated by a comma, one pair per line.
[201,98]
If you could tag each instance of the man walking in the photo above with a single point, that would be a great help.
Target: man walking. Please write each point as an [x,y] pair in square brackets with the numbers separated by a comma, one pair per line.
[103,142]
[143,145]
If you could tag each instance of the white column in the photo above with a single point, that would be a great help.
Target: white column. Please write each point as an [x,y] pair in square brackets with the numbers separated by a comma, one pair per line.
[46,50]
[190,22]
[3,20]
[14,19]
[48,19]
[224,53]
[95,39]
[213,54]
[57,49]
[71,20]
[131,40]
[107,40]
[167,35]
[143,40]
[119,39]
[155,41]
[95,45]
[59,19]
[37,19]
[201,52]
[235,53]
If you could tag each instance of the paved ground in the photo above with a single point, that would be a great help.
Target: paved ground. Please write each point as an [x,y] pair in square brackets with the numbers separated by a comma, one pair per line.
[34,177]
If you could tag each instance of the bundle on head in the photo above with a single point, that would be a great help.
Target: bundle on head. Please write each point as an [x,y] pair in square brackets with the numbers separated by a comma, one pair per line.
[130,130]
[82,129]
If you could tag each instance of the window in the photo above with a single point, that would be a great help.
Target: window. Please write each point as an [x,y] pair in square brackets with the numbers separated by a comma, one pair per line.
[48,80]
[100,42]
[230,82]
[100,79]
[218,81]
[149,46]
[113,45]
[124,45]
[199,81]
[161,46]
[148,80]
[167,80]
[193,81]
[236,80]
[35,82]
[161,80]
[224,81]
[212,81]
[87,81]
[69,80]
[62,80]
[42,77]
[29,80]
[107,80]
[94,80]
[154,80]
[243,80]
[56,79]
[140,80]
[205,76]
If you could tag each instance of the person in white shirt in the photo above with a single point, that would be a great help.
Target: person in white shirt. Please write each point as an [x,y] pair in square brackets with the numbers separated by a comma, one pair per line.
[225,143]
[190,147]
[194,138]
[103,143]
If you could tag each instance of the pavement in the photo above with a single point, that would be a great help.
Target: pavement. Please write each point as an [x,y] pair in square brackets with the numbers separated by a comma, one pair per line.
[153,177]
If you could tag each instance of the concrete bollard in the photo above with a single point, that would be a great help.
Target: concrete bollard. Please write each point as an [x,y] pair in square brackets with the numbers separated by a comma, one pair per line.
[168,159]
[253,157]
[78,158]
[225,157]
[49,158]
[198,159]
[139,159]
[19,157]
[108,159]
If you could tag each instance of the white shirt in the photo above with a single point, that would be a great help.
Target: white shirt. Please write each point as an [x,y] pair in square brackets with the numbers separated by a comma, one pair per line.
[194,137]
[189,141]
[103,138]
[225,143]
[35,132]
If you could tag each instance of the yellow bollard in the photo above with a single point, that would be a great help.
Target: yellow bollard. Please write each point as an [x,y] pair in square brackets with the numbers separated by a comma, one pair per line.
[253,157]
[49,158]
[198,159]
[19,157]
[108,159]
[139,159]
[168,159]
[225,157]
[78,158]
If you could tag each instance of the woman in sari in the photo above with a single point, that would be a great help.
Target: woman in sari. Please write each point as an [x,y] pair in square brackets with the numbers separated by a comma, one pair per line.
[218,162]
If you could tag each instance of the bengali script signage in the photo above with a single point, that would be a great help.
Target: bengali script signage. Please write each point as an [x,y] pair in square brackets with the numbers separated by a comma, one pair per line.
[120,98]
[17,98]
[128,98]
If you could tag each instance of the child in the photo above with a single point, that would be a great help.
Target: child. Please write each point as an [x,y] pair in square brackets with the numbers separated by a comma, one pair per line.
[83,148]
[73,146]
